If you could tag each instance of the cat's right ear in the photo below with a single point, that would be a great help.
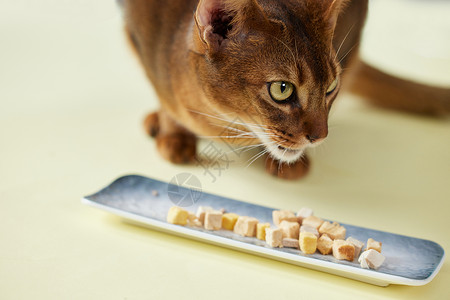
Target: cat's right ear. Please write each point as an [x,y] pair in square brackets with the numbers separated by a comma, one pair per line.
[213,24]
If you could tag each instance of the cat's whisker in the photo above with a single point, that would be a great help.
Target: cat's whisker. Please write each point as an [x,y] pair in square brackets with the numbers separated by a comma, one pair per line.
[348,52]
[259,126]
[257,156]
[343,41]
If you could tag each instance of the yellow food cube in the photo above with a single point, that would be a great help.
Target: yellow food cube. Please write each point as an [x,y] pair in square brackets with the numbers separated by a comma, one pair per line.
[228,220]
[261,230]
[308,242]
[177,215]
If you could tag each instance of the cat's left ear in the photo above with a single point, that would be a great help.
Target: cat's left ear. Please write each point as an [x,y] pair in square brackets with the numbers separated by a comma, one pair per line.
[213,23]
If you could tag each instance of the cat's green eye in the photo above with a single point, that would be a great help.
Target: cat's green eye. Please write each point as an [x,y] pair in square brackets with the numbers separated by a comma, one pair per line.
[281,90]
[332,86]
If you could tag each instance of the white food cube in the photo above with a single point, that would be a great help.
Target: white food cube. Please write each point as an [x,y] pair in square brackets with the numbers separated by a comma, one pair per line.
[358,245]
[371,259]
[290,229]
[201,211]
[213,220]
[306,228]
[245,226]
[290,243]
[274,237]
[304,212]
[283,215]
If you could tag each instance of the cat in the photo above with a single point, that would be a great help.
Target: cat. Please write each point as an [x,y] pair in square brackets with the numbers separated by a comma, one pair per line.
[267,71]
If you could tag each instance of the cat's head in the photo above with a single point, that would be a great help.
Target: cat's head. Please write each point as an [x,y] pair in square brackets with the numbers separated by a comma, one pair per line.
[273,64]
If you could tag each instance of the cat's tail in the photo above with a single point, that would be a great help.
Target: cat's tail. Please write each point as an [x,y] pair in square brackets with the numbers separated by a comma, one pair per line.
[395,93]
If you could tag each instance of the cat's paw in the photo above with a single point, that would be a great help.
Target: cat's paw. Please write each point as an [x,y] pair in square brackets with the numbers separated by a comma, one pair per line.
[151,124]
[178,148]
[291,171]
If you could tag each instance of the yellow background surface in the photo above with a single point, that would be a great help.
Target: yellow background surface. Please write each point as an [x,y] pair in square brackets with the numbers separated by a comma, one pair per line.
[72,98]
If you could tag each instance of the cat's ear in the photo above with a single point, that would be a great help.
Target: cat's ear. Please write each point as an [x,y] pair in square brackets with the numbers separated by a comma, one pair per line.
[213,23]
[332,10]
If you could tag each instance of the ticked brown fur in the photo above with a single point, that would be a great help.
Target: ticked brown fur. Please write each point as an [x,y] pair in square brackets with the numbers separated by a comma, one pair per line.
[211,62]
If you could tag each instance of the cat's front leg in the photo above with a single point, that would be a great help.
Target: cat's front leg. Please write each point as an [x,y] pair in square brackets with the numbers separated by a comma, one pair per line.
[289,171]
[175,143]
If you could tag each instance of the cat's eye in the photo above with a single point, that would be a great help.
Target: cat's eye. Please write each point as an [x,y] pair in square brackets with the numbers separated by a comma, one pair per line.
[332,86]
[281,90]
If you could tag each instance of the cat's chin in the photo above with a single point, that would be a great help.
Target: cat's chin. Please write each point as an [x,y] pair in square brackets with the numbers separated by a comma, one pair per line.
[284,155]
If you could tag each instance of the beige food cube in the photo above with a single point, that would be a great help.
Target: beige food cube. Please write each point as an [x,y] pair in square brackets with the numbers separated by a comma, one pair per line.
[201,211]
[358,245]
[283,215]
[261,230]
[274,237]
[343,250]
[290,243]
[312,221]
[213,220]
[304,212]
[177,215]
[313,230]
[245,226]
[229,220]
[192,220]
[371,259]
[333,230]
[290,229]
[308,242]
[372,244]
[325,244]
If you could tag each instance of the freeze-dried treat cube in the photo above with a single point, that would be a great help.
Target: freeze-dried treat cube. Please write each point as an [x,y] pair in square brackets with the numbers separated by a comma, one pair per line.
[283,215]
[177,215]
[325,244]
[229,220]
[333,230]
[290,243]
[290,229]
[343,250]
[213,220]
[192,220]
[358,245]
[245,226]
[372,244]
[308,242]
[304,212]
[312,221]
[261,230]
[201,211]
[305,228]
[371,259]
[274,237]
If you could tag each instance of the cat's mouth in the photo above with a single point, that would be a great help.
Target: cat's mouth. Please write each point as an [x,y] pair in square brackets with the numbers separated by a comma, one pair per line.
[283,154]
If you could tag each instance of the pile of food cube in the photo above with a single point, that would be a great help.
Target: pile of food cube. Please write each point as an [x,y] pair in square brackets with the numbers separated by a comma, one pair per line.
[302,231]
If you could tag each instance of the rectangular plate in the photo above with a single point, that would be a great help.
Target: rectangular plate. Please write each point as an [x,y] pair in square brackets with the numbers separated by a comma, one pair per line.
[409,261]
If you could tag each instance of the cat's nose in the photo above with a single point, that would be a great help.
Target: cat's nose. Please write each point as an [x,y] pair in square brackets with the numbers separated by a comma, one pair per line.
[317,135]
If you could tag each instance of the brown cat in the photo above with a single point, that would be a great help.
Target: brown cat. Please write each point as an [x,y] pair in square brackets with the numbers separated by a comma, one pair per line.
[273,65]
